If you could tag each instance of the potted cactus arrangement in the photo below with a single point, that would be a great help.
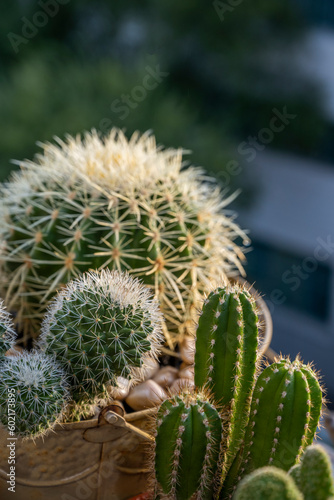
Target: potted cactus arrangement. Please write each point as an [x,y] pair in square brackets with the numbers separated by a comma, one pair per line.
[132,362]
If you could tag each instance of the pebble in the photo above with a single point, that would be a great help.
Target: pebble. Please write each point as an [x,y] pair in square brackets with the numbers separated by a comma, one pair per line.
[187,349]
[146,395]
[166,376]
[151,368]
[122,390]
[187,373]
[181,384]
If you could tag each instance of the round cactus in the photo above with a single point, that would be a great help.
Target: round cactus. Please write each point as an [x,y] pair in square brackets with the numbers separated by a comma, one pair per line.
[34,391]
[189,431]
[7,332]
[112,203]
[315,475]
[101,326]
[268,483]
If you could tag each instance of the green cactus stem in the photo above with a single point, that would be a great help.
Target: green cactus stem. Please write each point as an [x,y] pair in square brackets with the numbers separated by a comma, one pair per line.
[226,356]
[189,431]
[95,203]
[268,483]
[34,392]
[285,412]
[7,332]
[101,326]
[315,478]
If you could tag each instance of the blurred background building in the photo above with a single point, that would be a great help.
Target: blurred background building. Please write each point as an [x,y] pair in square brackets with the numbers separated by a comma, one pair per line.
[248,86]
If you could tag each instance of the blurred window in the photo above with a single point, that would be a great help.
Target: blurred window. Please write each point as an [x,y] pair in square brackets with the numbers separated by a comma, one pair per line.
[298,282]
[320,12]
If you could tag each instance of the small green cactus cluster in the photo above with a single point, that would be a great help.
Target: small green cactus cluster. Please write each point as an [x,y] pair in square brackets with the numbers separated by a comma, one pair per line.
[268,483]
[97,203]
[311,479]
[189,431]
[101,326]
[34,391]
[269,417]
[313,475]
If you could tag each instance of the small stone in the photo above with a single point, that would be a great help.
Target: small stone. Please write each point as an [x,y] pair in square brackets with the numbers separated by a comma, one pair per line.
[122,390]
[151,368]
[180,385]
[166,376]
[187,350]
[146,395]
[187,373]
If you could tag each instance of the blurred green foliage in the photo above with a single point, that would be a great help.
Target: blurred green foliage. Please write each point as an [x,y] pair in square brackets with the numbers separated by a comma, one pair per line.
[72,74]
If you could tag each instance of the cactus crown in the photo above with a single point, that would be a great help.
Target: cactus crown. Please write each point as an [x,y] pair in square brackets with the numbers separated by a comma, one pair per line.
[126,205]
[189,431]
[101,326]
[36,387]
[7,332]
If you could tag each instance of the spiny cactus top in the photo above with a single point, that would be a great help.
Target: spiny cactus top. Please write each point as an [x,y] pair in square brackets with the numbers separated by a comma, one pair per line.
[127,205]
[268,483]
[34,391]
[284,416]
[189,430]
[101,326]
[7,332]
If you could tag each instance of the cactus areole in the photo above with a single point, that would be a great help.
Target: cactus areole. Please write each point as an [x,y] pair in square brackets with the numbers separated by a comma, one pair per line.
[128,205]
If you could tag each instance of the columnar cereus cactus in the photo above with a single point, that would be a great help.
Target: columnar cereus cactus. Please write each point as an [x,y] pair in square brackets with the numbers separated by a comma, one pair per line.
[119,204]
[7,332]
[101,326]
[313,475]
[34,391]
[226,355]
[284,416]
[189,431]
[268,483]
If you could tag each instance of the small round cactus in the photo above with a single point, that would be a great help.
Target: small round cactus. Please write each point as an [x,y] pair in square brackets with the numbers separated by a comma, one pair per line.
[97,203]
[101,326]
[7,332]
[314,477]
[34,391]
[189,431]
[268,483]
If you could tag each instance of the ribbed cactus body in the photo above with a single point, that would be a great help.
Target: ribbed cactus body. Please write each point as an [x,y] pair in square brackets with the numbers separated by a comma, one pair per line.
[119,205]
[7,332]
[226,355]
[34,391]
[101,326]
[315,478]
[280,425]
[189,431]
[268,483]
